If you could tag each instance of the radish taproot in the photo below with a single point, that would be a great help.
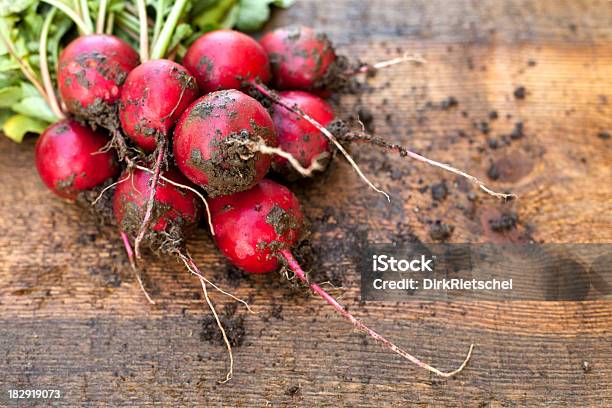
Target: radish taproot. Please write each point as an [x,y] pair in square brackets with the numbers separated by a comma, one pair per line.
[296,135]
[212,142]
[153,97]
[91,71]
[256,229]
[69,160]
[225,59]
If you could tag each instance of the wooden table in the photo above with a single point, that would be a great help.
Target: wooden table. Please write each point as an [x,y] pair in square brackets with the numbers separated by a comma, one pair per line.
[72,316]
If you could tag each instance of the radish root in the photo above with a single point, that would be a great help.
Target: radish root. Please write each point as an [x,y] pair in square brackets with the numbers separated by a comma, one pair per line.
[193,190]
[130,255]
[295,267]
[161,149]
[279,101]
[403,152]
[261,146]
[193,269]
[99,197]
[230,373]
[367,68]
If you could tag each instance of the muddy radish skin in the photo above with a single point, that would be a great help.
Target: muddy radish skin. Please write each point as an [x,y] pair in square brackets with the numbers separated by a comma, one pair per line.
[209,142]
[176,211]
[295,135]
[300,58]
[152,98]
[91,70]
[225,59]
[69,160]
[252,226]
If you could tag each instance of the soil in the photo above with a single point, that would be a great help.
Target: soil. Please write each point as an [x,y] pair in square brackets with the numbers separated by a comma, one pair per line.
[520,92]
[439,191]
[518,131]
[103,209]
[505,222]
[234,327]
[440,231]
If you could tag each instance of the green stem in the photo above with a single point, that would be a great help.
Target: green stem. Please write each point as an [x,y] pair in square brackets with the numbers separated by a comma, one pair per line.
[71,14]
[144,30]
[121,27]
[129,20]
[125,21]
[101,17]
[86,15]
[159,19]
[110,23]
[44,66]
[161,45]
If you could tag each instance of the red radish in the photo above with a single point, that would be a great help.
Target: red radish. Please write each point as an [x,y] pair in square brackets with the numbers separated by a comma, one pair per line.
[297,136]
[257,228]
[252,226]
[210,142]
[225,59]
[153,97]
[300,58]
[69,160]
[176,209]
[91,70]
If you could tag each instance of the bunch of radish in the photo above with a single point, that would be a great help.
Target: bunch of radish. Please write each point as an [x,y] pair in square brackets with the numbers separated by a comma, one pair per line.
[174,142]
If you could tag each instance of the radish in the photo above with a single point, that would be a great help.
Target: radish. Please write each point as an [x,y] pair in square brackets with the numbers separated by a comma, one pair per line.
[296,135]
[177,209]
[300,58]
[256,229]
[212,142]
[91,70]
[225,59]
[69,160]
[152,98]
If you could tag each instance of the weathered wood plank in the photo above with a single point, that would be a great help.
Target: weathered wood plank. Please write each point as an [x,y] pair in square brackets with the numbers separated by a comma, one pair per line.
[72,316]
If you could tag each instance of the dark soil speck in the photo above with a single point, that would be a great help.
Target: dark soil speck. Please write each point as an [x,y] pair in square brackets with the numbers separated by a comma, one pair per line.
[440,231]
[439,191]
[520,92]
[505,222]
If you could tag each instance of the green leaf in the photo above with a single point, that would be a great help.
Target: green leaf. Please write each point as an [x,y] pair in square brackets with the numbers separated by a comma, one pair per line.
[253,14]
[181,32]
[10,96]
[4,115]
[211,17]
[8,7]
[27,90]
[35,107]
[230,18]
[17,126]
[283,3]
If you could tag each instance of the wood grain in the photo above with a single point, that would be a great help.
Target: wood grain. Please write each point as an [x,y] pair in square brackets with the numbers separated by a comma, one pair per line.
[72,316]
